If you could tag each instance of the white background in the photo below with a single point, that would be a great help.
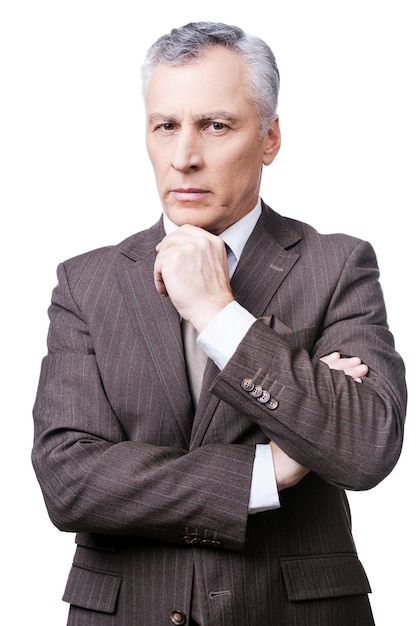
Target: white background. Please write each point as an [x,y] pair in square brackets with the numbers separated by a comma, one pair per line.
[74,176]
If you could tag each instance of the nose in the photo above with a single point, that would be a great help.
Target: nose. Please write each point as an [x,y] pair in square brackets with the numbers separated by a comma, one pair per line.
[187,151]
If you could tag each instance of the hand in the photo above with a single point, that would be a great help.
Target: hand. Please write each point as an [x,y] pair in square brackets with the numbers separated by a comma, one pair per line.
[192,269]
[288,472]
[351,366]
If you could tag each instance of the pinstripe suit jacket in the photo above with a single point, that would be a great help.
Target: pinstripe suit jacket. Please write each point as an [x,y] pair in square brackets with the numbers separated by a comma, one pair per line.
[156,493]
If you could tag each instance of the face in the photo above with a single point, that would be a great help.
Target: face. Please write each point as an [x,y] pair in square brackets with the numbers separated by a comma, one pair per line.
[203,139]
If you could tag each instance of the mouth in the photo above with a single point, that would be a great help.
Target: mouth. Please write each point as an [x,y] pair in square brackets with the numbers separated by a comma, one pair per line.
[189,194]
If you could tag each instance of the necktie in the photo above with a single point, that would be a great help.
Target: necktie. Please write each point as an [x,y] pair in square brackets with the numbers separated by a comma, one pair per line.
[195,359]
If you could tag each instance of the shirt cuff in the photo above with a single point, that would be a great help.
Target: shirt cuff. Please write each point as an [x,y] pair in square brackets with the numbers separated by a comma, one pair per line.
[264,495]
[222,336]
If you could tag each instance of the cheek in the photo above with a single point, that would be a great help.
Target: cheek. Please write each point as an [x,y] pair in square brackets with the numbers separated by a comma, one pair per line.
[239,175]
[158,156]
[161,170]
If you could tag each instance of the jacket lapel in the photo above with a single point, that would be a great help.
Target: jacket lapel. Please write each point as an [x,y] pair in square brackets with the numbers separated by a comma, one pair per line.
[158,324]
[265,262]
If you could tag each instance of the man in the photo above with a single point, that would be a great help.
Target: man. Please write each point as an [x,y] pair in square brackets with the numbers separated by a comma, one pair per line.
[217,496]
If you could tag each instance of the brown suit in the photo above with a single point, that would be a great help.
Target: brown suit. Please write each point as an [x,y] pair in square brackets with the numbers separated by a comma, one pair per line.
[156,493]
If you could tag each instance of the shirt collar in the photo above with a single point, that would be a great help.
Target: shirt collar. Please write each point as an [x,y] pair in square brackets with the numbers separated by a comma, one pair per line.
[236,236]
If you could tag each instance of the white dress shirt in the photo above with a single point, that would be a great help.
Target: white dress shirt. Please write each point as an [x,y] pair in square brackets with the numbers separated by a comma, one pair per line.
[220,339]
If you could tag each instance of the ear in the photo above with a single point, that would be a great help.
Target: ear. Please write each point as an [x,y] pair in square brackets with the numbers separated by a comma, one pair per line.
[272,142]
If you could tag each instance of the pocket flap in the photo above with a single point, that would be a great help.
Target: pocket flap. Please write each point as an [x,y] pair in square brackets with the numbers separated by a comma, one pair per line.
[311,578]
[92,590]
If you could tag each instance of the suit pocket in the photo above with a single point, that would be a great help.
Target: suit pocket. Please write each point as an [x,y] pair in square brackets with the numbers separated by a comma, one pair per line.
[93,590]
[312,578]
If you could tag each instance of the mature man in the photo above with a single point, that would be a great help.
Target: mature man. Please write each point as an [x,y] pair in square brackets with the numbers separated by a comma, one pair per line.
[206,478]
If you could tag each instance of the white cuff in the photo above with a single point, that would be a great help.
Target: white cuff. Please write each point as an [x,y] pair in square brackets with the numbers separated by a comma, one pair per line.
[263,495]
[222,336]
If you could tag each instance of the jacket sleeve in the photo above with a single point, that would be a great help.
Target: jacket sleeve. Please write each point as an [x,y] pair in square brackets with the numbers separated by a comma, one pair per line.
[350,434]
[94,479]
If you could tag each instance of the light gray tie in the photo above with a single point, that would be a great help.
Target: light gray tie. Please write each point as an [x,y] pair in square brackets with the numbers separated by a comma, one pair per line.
[195,359]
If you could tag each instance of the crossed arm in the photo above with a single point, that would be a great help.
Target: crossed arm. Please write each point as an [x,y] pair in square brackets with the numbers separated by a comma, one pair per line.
[191,269]
[109,467]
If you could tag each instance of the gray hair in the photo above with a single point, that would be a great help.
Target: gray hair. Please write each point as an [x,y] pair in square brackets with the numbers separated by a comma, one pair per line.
[189,43]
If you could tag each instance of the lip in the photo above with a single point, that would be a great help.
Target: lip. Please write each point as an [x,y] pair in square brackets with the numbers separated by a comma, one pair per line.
[188,194]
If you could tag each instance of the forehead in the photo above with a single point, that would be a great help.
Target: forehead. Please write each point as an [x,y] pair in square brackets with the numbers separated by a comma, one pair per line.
[217,78]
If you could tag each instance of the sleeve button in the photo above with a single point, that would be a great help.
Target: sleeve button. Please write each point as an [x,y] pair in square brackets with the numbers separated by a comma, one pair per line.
[256,392]
[196,541]
[265,397]
[247,384]
[272,404]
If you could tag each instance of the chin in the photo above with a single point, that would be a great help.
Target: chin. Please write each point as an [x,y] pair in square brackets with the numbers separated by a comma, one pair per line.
[186,215]
[201,217]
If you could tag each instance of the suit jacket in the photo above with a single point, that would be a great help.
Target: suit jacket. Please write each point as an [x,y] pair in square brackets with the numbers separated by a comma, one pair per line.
[158,493]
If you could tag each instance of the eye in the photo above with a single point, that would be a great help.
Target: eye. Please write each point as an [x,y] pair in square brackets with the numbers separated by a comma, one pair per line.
[215,128]
[167,126]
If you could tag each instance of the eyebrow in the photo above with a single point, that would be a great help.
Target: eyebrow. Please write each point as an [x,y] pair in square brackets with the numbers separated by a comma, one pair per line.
[203,117]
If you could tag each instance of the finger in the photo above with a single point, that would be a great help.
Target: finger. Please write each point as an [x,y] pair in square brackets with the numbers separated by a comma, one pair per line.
[357,372]
[344,363]
[185,233]
[158,280]
[329,358]
[353,360]
[159,285]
